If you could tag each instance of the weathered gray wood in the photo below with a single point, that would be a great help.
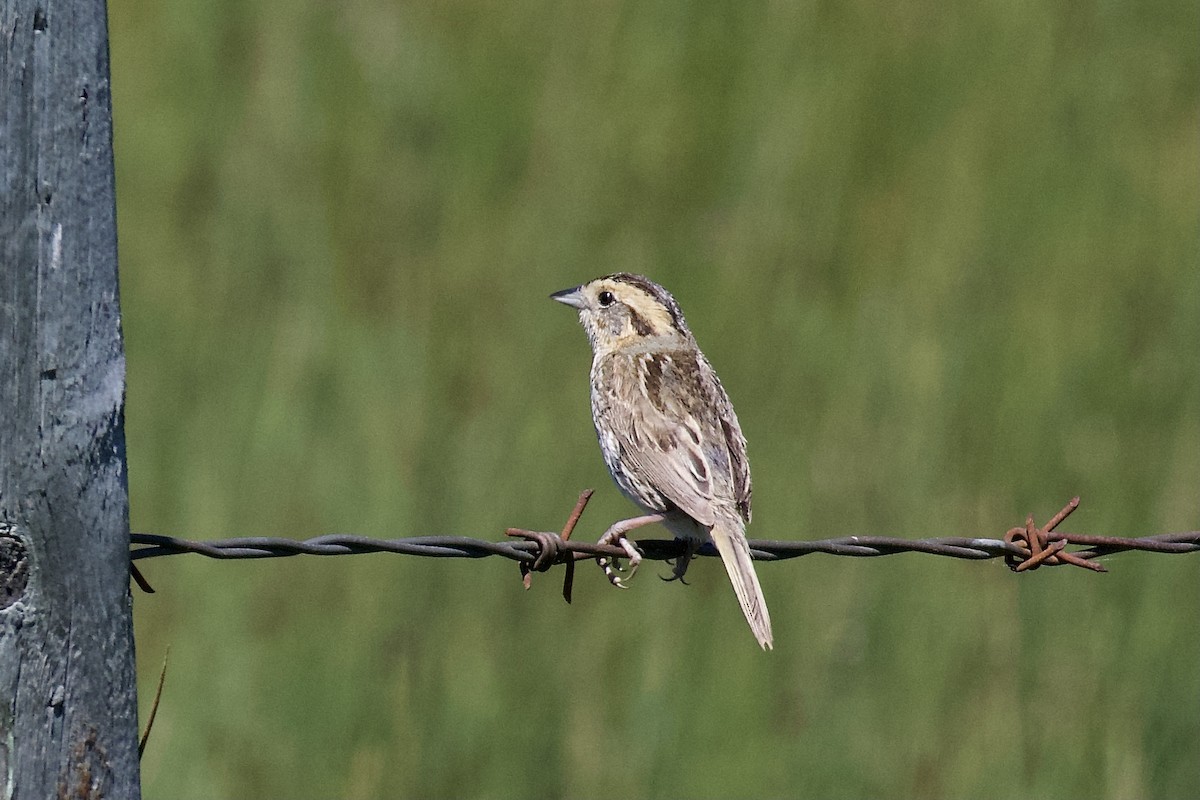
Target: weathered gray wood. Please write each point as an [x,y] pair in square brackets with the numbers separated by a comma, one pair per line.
[68,711]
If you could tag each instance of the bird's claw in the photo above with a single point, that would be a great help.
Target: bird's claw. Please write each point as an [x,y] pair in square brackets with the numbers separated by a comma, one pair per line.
[679,566]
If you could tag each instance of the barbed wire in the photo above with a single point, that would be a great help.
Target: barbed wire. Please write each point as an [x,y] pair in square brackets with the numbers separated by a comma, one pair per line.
[1023,548]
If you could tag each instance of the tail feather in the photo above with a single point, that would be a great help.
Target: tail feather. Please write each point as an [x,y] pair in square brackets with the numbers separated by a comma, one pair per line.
[735,552]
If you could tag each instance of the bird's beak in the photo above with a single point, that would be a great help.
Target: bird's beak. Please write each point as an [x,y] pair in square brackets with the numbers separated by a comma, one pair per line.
[572,297]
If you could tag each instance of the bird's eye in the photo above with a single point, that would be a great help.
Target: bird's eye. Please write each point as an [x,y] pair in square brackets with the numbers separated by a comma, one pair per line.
[606,299]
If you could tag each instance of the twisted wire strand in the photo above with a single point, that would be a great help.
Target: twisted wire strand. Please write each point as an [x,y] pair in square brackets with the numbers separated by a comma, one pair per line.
[1022,548]
[152,546]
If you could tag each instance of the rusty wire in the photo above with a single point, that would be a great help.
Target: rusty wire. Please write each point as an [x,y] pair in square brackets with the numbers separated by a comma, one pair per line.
[1023,548]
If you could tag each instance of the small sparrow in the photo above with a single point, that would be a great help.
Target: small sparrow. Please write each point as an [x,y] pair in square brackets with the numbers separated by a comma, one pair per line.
[667,430]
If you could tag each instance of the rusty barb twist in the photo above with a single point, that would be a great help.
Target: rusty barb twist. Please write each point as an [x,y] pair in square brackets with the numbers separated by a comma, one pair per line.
[1039,549]
[1023,548]
[550,546]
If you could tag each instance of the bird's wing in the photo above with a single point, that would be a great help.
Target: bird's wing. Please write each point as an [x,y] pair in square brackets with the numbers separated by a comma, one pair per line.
[680,439]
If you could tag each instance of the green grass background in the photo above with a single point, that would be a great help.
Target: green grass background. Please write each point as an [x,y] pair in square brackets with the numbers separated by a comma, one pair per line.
[945,259]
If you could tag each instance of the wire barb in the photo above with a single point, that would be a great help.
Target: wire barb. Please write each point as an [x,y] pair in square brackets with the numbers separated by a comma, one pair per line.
[1035,543]
[550,545]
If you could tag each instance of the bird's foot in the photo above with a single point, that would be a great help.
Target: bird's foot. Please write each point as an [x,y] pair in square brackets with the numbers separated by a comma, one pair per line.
[617,535]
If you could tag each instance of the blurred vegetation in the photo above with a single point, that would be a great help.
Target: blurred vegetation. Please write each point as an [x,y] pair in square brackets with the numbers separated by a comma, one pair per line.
[944,258]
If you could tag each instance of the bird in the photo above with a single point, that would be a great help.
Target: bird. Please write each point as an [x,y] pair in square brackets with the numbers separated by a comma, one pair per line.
[667,431]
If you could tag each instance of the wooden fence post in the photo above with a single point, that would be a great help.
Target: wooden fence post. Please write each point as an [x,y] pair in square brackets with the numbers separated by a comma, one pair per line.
[68,703]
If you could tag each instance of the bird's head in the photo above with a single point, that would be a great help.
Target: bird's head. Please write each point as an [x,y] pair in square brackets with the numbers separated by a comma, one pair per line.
[624,310]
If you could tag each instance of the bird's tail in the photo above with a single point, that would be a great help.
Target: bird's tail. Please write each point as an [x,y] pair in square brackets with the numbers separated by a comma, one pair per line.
[730,539]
